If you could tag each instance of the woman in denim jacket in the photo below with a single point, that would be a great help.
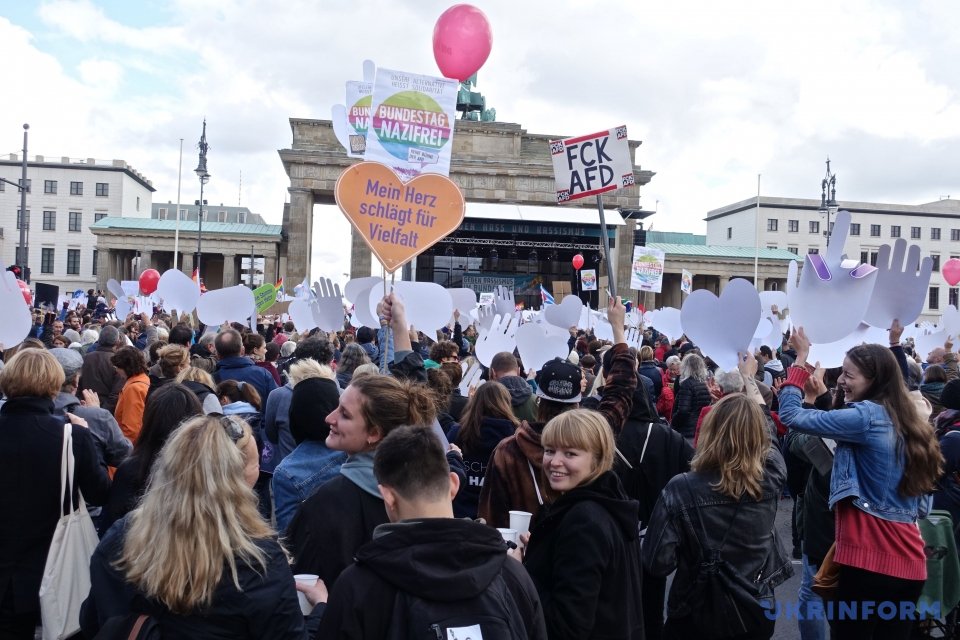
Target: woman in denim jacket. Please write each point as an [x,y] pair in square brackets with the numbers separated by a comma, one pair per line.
[887,459]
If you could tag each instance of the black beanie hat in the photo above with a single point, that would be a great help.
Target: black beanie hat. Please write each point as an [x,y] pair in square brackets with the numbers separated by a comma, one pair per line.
[313,399]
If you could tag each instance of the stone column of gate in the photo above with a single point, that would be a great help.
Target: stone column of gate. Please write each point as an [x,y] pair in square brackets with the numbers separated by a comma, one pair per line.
[300,235]
[229,269]
[146,262]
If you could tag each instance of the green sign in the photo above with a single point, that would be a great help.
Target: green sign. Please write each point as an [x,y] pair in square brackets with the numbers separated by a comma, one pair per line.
[264,296]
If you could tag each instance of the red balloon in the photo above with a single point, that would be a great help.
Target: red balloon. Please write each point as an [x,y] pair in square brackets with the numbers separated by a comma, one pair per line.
[461,41]
[951,271]
[578,261]
[148,281]
[25,290]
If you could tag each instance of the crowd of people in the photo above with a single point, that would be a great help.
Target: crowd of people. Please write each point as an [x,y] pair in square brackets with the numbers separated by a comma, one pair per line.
[222,462]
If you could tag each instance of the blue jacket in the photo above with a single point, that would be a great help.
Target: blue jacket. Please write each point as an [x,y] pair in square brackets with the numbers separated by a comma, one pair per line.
[276,426]
[242,369]
[868,463]
[300,474]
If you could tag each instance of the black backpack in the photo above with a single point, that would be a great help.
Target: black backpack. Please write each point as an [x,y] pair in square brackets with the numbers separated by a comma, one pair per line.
[723,603]
[134,626]
[492,614]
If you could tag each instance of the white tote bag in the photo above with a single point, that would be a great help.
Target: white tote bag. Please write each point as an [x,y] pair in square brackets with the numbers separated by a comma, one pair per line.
[66,576]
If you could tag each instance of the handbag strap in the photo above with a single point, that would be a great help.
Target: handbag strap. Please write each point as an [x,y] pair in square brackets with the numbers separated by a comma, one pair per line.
[536,486]
[706,547]
[66,467]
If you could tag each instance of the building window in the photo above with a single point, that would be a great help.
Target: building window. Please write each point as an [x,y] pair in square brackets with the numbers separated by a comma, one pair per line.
[103,189]
[814,226]
[49,220]
[75,220]
[50,186]
[793,226]
[183,215]
[894,231]
[99,215]
[935,233]
[138,203]
[729,233]
[73,262]
[76,188]
[161,213]
[936,261]
[222,216]
[772,246]
[29,184]
[864,256]
[873,258]
[3,186]
[934,298]
[854,229]
[94,262]
[46,260]
[771,224]
[875,230]
[952,296]
[955,234]
[813,250]
[914,233]
[27,220]
[793,250]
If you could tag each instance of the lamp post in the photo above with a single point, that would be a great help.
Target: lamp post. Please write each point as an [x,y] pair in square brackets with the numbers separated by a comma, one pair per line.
[828,207]
[22,188]
[204,176]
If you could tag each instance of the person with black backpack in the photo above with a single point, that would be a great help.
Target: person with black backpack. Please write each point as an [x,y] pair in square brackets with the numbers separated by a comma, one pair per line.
[427,574]
[735,484]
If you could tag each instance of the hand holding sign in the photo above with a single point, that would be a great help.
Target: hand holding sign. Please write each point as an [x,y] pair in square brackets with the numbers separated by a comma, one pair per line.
[901,288]
[328,308]
[504,302]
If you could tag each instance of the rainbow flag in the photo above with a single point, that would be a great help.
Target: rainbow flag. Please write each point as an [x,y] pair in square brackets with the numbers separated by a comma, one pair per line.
[279,285]
[196,275]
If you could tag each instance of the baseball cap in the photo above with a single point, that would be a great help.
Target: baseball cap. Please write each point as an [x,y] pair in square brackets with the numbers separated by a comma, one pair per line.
[559,381]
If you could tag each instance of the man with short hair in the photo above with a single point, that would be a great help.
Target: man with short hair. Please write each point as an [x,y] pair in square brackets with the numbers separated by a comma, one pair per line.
[435,565]
[505,369]
[770,365]
[202,354]
[233,365]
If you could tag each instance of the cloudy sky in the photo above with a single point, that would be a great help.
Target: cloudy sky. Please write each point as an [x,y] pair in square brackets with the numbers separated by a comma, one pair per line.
[717,92]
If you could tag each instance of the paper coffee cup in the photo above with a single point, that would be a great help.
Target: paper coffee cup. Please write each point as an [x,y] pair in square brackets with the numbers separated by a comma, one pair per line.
[509,535]
[309,580]
[520,522]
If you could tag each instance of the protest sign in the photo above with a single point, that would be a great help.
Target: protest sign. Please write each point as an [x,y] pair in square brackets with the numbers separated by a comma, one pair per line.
[588,279]
[359,96]
[647,270]
[264,297]
[411,123]
[592,164]
[722,327]
[398,221]
[46,296]
[686,282]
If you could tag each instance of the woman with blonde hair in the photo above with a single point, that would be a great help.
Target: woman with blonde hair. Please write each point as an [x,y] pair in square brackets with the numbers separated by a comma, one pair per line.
[735,483]
[201,383]
[583,551]
[196,555]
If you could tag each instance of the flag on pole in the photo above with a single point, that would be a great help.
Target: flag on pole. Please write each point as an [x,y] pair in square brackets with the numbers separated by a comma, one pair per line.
[279,285]
[196,275]
[546,297]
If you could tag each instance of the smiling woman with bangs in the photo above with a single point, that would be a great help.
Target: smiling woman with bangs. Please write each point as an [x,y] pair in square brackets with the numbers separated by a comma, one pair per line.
[583,552]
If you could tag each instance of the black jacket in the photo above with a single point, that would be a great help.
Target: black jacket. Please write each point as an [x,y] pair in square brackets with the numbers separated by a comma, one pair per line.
[667,454]
[330,526]
[264,607]
[815,523]
[31,449]
[692,396]
[475,460]
[655,374]
[584,558]
[753,549]
[440,559]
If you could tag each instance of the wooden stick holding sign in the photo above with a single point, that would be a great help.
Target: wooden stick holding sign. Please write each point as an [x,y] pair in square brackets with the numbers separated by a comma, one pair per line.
[589,166]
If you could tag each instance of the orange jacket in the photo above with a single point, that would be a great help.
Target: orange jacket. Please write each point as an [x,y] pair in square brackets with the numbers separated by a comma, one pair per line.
[129,411]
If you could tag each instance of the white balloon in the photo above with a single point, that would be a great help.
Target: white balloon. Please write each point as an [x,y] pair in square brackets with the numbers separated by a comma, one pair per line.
[178,291]
[232,304]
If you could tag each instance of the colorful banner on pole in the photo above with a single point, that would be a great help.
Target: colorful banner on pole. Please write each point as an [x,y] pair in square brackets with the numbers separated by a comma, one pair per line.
[588,279]
[647,271]
[686,282]
[411,123]
[359,96]
[592,164]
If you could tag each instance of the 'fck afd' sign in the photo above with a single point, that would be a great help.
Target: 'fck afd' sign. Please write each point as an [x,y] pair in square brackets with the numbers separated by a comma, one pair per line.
[592,164]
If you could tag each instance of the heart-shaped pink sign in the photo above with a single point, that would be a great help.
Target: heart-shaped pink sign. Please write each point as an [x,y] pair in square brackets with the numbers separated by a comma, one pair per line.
[951,271]
[724,326]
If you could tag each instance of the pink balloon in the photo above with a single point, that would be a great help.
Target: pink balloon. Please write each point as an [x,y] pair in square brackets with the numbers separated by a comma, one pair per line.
[951,271]
[461,41]
[577,261]
[25,290]
[148,281]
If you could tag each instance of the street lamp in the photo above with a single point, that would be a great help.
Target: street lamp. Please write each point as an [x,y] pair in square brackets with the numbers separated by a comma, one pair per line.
[828,207]
[23,189]
[204,176]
